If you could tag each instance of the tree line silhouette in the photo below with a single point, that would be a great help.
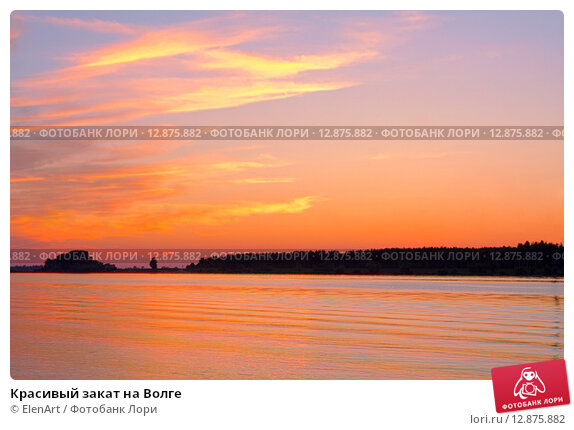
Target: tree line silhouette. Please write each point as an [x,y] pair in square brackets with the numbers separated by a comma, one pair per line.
[525,259]
[76,262]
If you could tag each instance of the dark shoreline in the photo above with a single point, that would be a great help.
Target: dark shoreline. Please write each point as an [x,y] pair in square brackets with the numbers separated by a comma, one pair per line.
[534,260]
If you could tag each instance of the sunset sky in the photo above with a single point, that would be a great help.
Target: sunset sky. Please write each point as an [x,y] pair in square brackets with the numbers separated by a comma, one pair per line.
[286,68]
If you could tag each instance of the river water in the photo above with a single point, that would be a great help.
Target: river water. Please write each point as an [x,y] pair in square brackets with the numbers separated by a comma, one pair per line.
[203,326]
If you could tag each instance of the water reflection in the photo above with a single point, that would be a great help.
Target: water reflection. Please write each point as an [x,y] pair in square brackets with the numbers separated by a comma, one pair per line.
[170,326]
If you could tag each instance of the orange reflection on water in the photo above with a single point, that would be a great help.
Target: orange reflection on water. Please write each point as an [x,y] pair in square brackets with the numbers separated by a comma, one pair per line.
[183,326]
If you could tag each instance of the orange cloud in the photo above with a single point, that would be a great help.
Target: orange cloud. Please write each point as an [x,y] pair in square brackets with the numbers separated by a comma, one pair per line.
[418,155]
[162,43]
[217,215]
[126,105]
[119,81]
[82,225]
[137,191]
[187,95]
[224,96]
[263,180]
[75,201]
[26,179]
[238,166]
[131,174]
[274,67]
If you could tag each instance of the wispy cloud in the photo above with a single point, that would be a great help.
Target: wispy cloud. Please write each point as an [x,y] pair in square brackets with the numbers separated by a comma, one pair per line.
[202,65]
[26,179]
[264,66]
[241,165]
[263,180]
[157,44]
[53,202]
[96,25]
[417,156]
[217,215]
[65,225]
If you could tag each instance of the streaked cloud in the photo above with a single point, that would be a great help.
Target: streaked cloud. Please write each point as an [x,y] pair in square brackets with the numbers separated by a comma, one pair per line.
[64,225]
[96,25]
[273,67]
[157,44]
[185,67]
[282,68]
[73,199]
[26,179]
[216,215]
[263,180]
[238,166]
[417,156]
[224,96]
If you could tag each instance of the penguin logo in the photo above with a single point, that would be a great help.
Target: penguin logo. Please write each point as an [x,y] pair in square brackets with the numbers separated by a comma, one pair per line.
[529,384]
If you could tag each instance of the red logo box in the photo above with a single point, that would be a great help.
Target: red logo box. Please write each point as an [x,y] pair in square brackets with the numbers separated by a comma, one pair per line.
[529,386]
